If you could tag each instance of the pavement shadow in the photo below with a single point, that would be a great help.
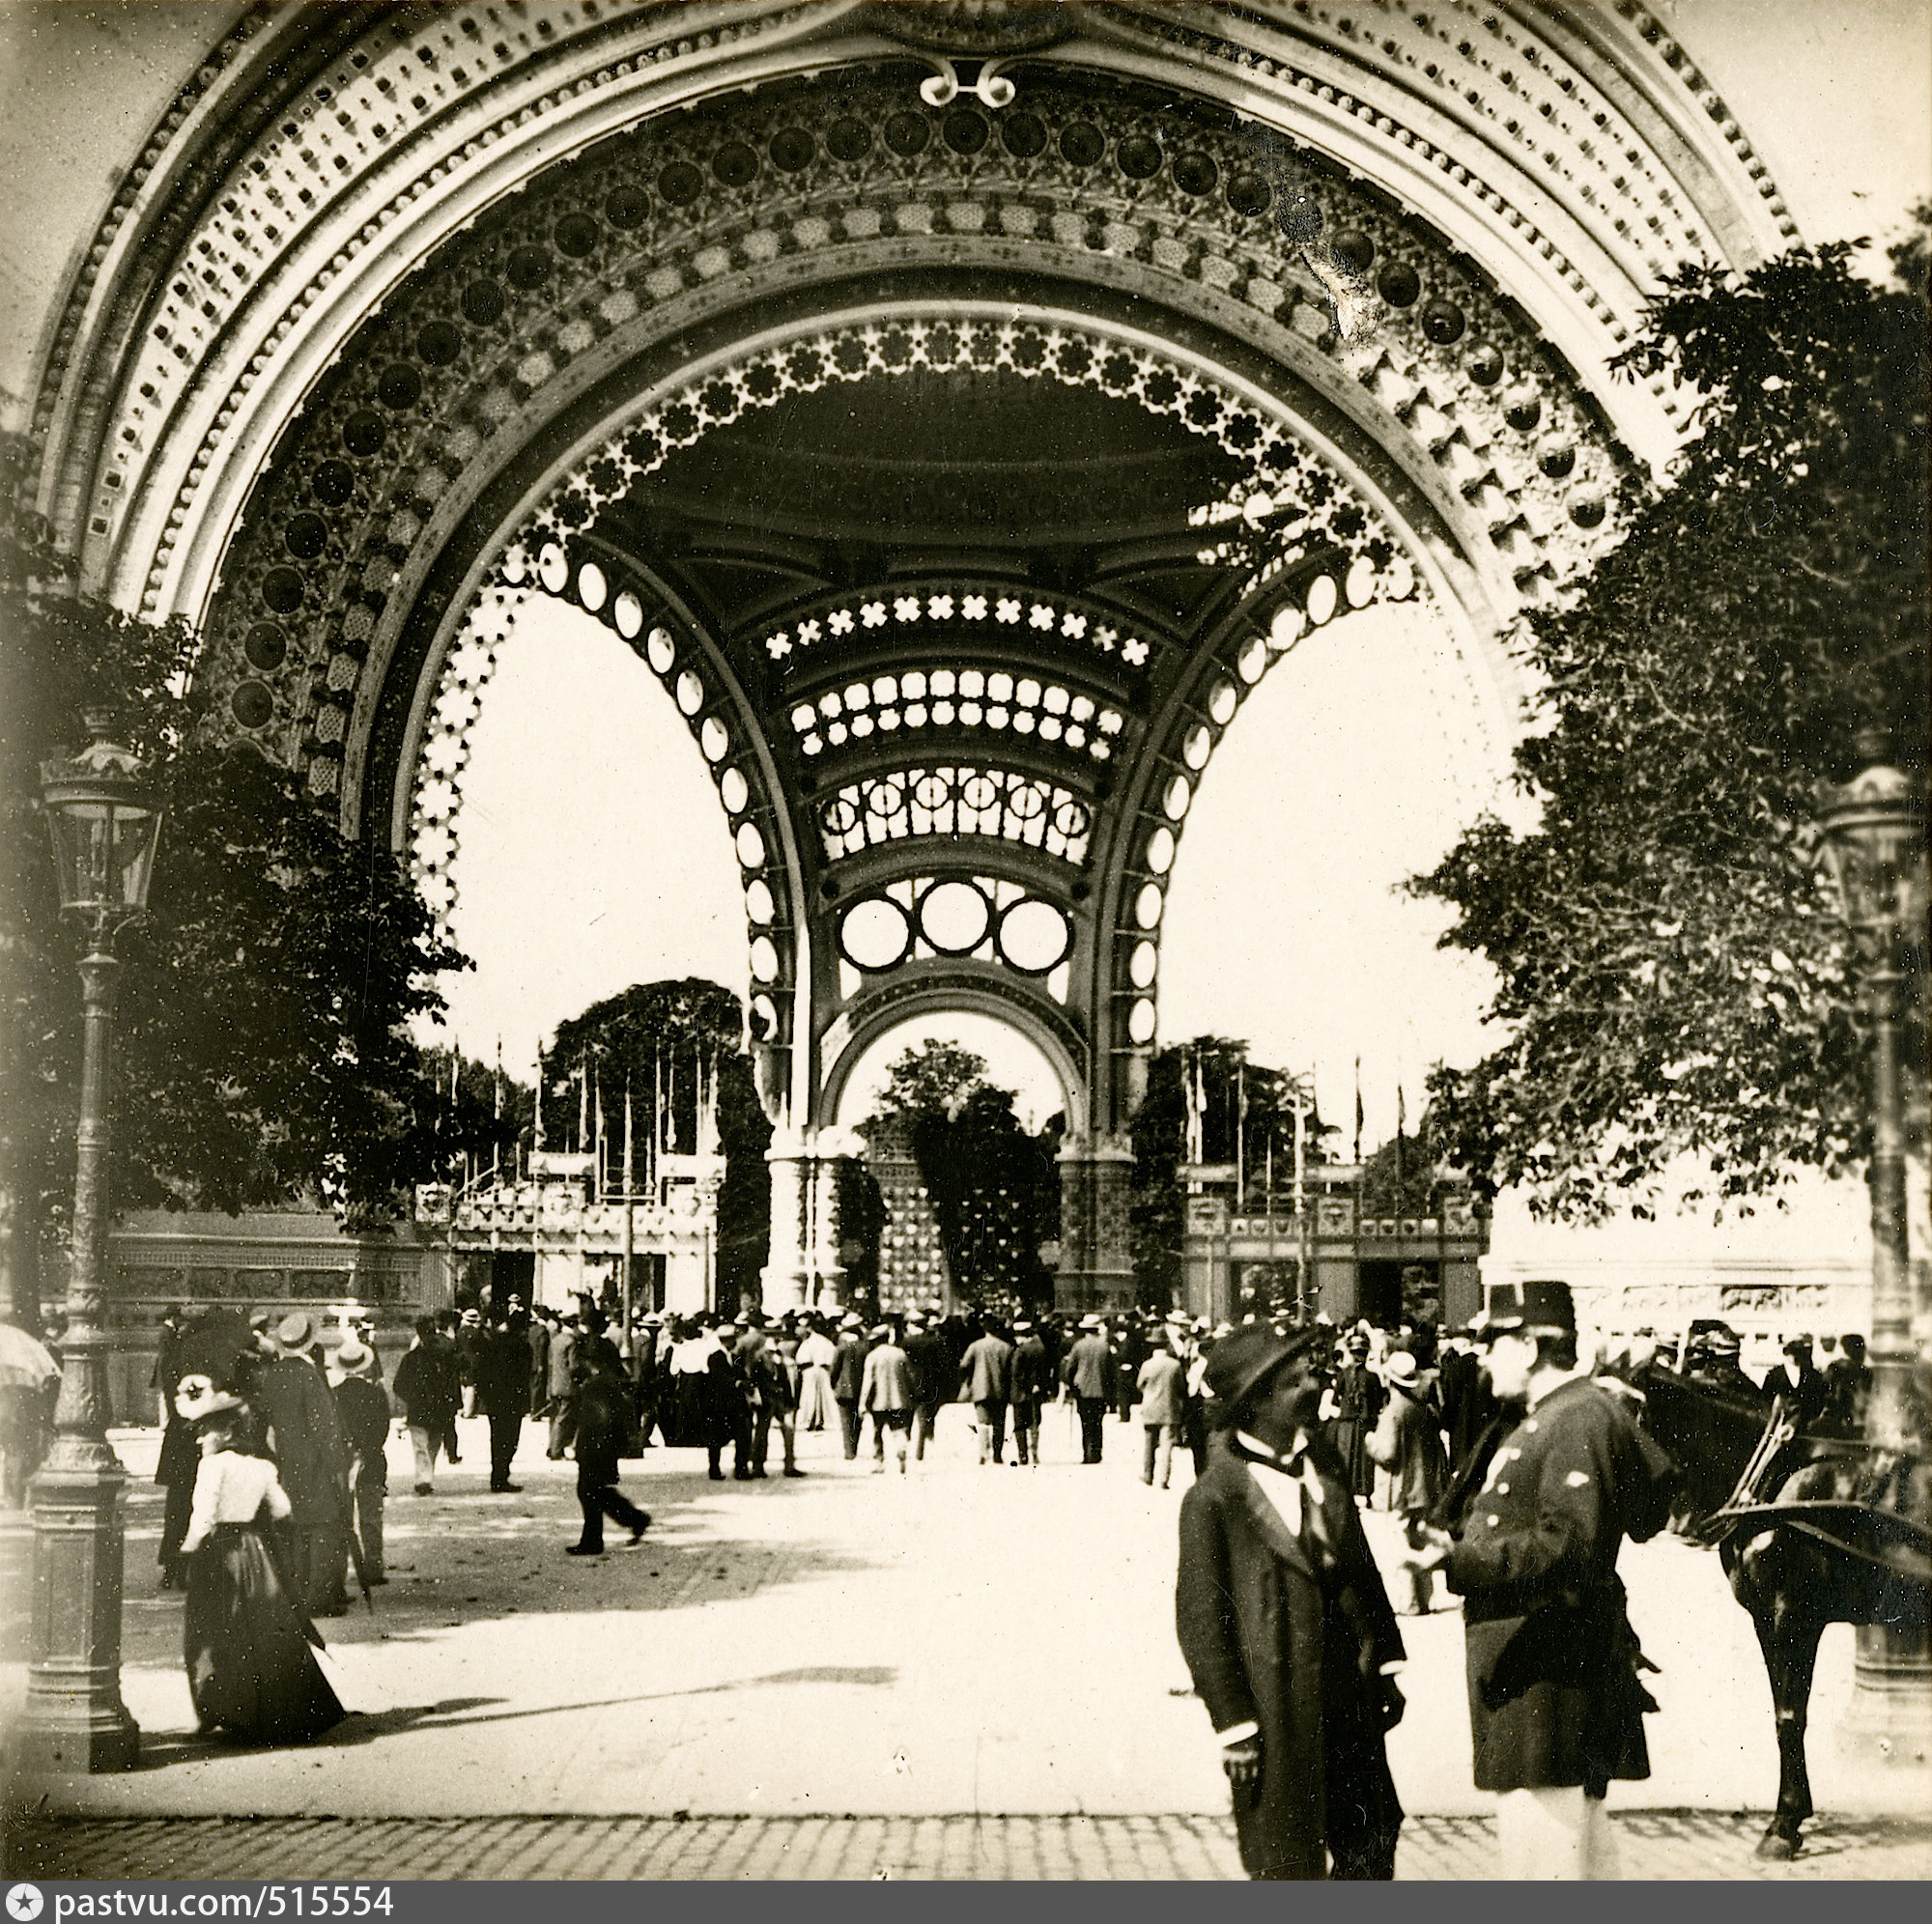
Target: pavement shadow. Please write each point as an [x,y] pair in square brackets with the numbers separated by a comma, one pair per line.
[360,1727]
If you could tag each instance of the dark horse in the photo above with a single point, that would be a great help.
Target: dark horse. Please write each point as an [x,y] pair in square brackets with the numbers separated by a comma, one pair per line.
[1812,1530]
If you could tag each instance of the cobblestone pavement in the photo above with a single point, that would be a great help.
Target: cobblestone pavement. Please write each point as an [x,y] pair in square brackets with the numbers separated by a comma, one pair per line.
[1677,1845]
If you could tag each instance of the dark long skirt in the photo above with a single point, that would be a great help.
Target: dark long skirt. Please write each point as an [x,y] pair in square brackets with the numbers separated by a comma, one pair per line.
[251,1669]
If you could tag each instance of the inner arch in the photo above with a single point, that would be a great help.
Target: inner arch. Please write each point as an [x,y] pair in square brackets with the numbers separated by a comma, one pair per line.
[1013,1060]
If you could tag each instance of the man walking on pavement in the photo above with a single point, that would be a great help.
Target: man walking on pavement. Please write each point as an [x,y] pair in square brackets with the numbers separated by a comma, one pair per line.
[1159,1383]
[849,1377]
[362,1409]
[987,1368]
[931,1375]
[502,1372]
[561,1384]
[1556,1706]
[1091,1375]
[603,1416]
[307,1439]
[886,1395]
[427,1388]
[1030,1377]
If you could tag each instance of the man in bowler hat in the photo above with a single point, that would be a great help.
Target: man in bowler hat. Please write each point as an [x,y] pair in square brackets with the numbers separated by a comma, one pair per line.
[1556,1706]
[1284,1626]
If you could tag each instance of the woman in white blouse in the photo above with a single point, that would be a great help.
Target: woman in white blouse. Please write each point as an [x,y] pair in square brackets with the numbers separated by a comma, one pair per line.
[251,1669]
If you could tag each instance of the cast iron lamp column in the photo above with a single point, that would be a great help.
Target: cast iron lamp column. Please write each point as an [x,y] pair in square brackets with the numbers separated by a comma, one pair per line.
[1875,844]
[104,825]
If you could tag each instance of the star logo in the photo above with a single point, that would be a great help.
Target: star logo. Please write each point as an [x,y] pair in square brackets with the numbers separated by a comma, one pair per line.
[25,1903]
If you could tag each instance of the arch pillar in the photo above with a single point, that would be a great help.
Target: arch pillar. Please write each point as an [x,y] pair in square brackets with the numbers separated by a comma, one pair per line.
[1096,1269]
[805,1264]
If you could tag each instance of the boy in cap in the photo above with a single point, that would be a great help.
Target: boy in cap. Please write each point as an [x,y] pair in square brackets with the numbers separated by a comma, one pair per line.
[1284,1626]
[1556,1706]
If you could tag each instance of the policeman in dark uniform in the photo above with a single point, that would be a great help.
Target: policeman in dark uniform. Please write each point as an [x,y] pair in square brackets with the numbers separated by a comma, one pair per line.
[1556,1707]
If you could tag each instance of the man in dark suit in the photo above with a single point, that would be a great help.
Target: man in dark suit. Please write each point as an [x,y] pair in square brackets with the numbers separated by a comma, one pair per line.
[603,1416]
[304,1434]
[1798,1383]
[1556,1706]
[934,1378]
[1284,1626]
[1030,1379]
[502,1382]
[1093,1378]
[848,1377]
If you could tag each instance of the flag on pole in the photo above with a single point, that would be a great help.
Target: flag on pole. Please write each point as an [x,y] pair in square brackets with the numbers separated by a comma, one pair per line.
[583,1103]
[1400,1121]
[597,1104]
[496,1112]
[538,1133]
[1240,1135]
[629,1166]
[1359,1109]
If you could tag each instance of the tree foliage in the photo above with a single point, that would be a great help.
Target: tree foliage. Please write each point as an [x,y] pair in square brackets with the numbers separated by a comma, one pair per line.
[994,1187]
[1672,969]
[263,1000]
[653,1037]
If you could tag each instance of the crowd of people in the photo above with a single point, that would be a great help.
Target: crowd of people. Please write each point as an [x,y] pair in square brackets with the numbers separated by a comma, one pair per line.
[1514,1470]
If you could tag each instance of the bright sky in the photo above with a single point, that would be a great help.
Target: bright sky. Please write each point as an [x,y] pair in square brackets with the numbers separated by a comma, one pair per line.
[594,855]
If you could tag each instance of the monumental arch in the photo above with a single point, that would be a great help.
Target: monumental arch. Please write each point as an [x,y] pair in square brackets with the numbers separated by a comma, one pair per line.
[958,407]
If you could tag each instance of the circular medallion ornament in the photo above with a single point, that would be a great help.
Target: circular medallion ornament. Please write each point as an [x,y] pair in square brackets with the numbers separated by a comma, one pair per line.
[874,934]
[953,918]
[251,704]
[907,133]
[266,647]
[848,139]
[482,303]
[1081,144]
[1034,937]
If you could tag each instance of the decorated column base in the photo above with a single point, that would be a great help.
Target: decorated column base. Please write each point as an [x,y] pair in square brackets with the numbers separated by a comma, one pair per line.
[1096,1267]
[1889,1719]
[74,1722]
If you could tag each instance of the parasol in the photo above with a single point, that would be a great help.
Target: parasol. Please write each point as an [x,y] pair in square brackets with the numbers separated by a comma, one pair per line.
[25,1362]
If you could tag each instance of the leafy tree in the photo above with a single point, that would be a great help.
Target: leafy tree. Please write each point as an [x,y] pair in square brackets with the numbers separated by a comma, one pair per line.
[1672,969]
[262,1037]
[488,1123]
[655,1034]
[994,1187]
[1247,1112]
[1400,1177]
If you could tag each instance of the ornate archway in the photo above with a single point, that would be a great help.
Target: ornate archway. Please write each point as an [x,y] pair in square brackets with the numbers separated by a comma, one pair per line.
[957,408]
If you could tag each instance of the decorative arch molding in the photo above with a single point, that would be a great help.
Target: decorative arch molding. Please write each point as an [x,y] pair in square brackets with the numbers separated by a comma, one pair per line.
[319,156]
[498,344]
[951,992]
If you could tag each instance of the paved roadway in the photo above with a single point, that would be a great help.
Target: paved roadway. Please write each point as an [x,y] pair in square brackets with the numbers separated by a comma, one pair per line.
[964,1644]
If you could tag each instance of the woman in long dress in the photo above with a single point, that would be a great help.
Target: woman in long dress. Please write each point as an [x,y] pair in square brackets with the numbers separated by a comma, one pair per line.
[246,1644]
[816,1355]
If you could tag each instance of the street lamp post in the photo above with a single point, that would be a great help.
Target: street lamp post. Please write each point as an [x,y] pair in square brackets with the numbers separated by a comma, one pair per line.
[1874,829]
[104,824]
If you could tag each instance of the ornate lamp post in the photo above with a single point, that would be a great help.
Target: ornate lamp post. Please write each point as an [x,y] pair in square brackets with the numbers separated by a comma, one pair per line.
[1875,844]
[104,824]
